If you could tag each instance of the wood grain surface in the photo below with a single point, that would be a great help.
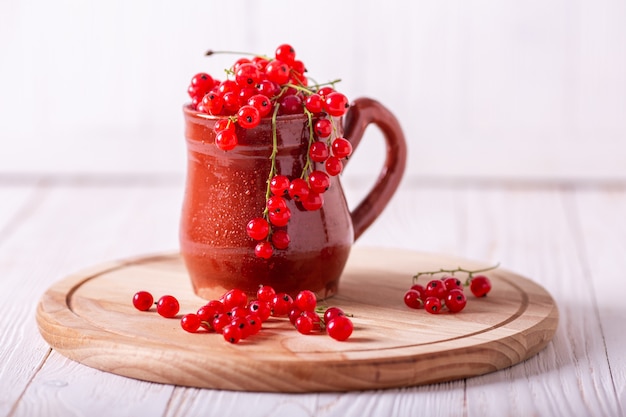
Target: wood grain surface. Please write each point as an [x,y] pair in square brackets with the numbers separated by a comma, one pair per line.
[89,318]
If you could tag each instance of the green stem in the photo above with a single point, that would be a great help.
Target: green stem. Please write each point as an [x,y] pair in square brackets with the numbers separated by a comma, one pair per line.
[453,271]
[307,164]
[268,191]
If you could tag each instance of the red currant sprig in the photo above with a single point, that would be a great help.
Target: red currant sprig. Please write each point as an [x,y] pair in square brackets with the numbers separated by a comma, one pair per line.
[446,292]
[262,87]
[236,317]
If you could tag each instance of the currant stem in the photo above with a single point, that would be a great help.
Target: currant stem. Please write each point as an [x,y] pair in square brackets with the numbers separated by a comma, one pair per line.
[268,191]
[307,164]
[211,52]
[470,272]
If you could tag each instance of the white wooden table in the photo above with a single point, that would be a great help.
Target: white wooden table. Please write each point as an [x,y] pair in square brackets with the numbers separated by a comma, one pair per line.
[571,238]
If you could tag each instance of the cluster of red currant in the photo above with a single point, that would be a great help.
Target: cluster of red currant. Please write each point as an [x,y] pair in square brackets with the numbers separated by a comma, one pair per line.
[262,87]
[236,317]
[446,292]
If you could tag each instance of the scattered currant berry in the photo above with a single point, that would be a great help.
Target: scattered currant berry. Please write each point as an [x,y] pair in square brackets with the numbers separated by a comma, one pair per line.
[306,300]
[266,294]
[143,301]
[168,306]
[413,299]
[456,300]
[220,322]
[451,283]
[432,305]
[190,322]
[331,313]
[281,304]
[304,324]
[234,298]
[339,328]
[480,285]
[435,288]
[231,333]
[262,309]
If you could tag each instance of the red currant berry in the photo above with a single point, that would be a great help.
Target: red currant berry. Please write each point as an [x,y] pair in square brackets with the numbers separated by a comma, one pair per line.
[247,74]
[313,103]
[260,62]
[243,325]
[325,91]
[281,304]
[331,313]
[340,328]
[223,124]
[280,217]
[298,66]
[264,250]
[336,104]
[305,300]
[248,117]
[276,202]
[245,93]
[143,300]
[213,103]
[318,152]
[234,298]
[201,84]
[232,334]
[258,228]
[319,181]
[323,128]
[304,324]
[262,103]
[419,287]
[432,305]
[220,322]
[293,314]
[232,101]
[480,285]
[341,148]
[268,88]
[314,201]
[239,63]
[280,239]
[277,71]
[285,53]
[456,300]
[206,314]
[317,321]
[168,306]
[279,184]
[333,166]
[190,322]
[290,104]
[260,308]
[255,323]
[452,283]
[435,288]
[266,294]
[228,86]
[413,299]
[299,189]
[226,140]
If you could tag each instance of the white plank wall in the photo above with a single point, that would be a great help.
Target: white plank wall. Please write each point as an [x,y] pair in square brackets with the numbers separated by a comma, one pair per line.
[530,90]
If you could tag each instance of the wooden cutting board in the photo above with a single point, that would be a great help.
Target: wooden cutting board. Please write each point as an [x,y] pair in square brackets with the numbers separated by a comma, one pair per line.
[89,317]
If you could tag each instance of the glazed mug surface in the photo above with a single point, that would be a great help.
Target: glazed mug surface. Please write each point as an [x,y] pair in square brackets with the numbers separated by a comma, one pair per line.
[224,190]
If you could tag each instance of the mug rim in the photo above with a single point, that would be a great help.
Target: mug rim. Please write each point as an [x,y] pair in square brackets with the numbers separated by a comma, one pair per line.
[189,111]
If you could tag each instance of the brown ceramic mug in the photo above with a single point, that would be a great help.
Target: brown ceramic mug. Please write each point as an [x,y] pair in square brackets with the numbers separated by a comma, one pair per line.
[226,189]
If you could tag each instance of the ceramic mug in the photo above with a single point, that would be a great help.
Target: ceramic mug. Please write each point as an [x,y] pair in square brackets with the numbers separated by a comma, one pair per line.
[226,189]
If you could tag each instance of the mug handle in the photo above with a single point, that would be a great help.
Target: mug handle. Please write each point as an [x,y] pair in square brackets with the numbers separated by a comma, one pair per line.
[363,112]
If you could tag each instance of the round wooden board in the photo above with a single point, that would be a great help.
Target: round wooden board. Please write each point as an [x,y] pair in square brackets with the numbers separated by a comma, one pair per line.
[89,317]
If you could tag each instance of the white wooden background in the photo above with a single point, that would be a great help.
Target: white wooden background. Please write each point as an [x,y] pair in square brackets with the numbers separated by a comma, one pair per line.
[530,90]
[515,113]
